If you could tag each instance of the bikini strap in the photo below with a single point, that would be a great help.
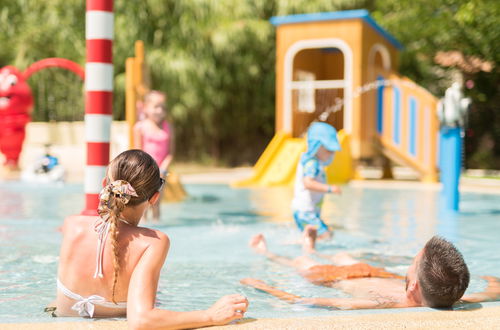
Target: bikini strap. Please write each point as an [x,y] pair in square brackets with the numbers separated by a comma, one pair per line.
[102,228]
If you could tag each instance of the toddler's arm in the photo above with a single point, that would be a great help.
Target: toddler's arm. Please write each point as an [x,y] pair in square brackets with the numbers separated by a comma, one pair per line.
[312,169]
[311,184]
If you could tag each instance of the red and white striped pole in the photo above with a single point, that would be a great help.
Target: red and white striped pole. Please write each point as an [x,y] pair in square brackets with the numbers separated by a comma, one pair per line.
[98,97]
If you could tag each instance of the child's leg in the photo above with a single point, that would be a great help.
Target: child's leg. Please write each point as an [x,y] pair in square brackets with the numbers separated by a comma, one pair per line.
[309,239]
[305,218]
[299,220]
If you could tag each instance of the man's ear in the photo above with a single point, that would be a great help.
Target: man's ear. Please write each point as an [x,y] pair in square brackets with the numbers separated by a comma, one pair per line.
[104,182]
[154,199]
[413,292]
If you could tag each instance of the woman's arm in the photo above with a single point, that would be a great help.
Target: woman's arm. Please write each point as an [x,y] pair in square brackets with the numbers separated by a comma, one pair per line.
[141,311]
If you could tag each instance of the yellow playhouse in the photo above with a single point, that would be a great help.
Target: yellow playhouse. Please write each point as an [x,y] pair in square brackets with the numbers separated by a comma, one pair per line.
[341,67]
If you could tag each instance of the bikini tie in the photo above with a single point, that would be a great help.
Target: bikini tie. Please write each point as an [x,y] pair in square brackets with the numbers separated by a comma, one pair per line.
[85,307]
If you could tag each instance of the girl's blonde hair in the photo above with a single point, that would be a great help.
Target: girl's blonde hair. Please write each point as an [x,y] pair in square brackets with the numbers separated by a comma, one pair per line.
[140,170]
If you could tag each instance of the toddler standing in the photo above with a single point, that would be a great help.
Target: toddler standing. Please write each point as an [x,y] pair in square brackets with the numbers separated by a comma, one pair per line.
[310,180]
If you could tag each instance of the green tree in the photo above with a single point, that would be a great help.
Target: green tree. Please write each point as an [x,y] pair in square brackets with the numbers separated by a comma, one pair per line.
[215,59]
[472,27]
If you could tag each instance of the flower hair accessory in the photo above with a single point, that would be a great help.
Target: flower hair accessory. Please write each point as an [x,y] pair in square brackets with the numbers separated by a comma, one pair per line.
[119,189]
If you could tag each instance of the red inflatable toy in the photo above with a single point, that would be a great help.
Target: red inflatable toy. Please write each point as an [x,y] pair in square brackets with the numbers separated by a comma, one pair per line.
[16,101]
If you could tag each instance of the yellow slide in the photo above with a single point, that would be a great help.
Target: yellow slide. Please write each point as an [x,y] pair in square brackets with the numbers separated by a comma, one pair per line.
[341,170]
[278,162]
[173,190]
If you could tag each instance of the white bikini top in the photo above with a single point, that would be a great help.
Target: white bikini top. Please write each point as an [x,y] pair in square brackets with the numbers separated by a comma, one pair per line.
[85,306]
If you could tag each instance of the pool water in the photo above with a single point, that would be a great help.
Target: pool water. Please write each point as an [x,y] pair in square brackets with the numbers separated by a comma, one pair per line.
[209,233]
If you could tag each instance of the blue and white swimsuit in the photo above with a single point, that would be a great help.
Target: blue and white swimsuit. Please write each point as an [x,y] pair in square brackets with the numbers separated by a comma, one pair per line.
[306,204]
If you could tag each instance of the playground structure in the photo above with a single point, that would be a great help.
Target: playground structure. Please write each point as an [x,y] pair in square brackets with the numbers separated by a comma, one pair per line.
[99,33]
[338,67]
[341,67]
[16,100]
[98,74]
[136,87]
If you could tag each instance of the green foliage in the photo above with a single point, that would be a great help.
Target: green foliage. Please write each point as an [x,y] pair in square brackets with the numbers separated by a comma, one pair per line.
[470,26]
[215,59]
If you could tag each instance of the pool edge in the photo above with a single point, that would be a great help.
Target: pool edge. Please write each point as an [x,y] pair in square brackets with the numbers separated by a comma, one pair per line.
[483,317]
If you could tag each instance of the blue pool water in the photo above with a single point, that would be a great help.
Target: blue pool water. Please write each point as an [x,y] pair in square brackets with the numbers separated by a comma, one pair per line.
[209,234]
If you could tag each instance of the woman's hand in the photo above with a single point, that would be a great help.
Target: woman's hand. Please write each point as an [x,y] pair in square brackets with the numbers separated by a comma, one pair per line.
[227,309]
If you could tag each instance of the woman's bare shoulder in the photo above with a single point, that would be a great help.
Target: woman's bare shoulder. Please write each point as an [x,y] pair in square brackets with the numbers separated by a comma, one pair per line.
[75,223]
[153,236]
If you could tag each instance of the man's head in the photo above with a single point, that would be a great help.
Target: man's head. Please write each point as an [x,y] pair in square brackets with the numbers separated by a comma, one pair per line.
[438,276]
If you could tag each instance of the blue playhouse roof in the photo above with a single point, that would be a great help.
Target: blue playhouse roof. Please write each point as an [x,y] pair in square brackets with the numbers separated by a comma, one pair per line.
[336,15]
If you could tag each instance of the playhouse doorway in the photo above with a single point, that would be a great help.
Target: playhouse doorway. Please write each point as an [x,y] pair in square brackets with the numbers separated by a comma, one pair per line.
[318,82]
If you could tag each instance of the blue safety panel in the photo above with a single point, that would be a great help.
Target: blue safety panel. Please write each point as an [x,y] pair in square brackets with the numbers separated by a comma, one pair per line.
[413,126]
[380,106]
[397,116]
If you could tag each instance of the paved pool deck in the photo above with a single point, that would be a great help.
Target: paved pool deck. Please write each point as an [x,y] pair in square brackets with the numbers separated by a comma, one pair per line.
[405,179]
[482,317]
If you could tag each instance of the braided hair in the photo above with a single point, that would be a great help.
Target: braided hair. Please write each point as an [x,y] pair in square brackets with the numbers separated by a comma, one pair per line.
[136,179]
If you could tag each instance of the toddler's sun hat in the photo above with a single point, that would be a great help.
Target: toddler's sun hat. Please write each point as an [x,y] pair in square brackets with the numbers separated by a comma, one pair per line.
[320,134]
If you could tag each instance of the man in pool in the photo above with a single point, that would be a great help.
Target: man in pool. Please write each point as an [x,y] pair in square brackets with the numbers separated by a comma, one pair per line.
[438,278]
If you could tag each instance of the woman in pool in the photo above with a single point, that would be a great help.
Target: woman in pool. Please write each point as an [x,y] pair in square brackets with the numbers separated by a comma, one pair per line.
[110,267]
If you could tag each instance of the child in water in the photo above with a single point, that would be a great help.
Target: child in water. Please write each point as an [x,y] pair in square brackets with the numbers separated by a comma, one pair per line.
[155,136]
[310,180]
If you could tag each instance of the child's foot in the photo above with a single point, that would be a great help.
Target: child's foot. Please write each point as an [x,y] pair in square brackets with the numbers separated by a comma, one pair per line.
[258,244]
[309,239]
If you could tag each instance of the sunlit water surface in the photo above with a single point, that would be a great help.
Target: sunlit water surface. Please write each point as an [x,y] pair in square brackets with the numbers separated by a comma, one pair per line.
[209,234]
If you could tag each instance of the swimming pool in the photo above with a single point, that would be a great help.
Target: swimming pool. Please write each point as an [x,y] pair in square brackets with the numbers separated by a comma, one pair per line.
[209,235]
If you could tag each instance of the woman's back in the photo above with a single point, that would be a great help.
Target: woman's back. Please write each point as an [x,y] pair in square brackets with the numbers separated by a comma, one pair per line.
[78,262]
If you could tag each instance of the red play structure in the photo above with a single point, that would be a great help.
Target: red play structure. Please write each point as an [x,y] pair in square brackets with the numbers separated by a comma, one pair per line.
[16,101]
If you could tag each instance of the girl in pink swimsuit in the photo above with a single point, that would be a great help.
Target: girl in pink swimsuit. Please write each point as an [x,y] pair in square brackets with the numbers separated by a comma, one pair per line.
[154,135]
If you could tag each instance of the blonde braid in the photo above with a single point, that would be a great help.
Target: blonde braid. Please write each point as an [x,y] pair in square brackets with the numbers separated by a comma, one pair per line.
[116,207]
